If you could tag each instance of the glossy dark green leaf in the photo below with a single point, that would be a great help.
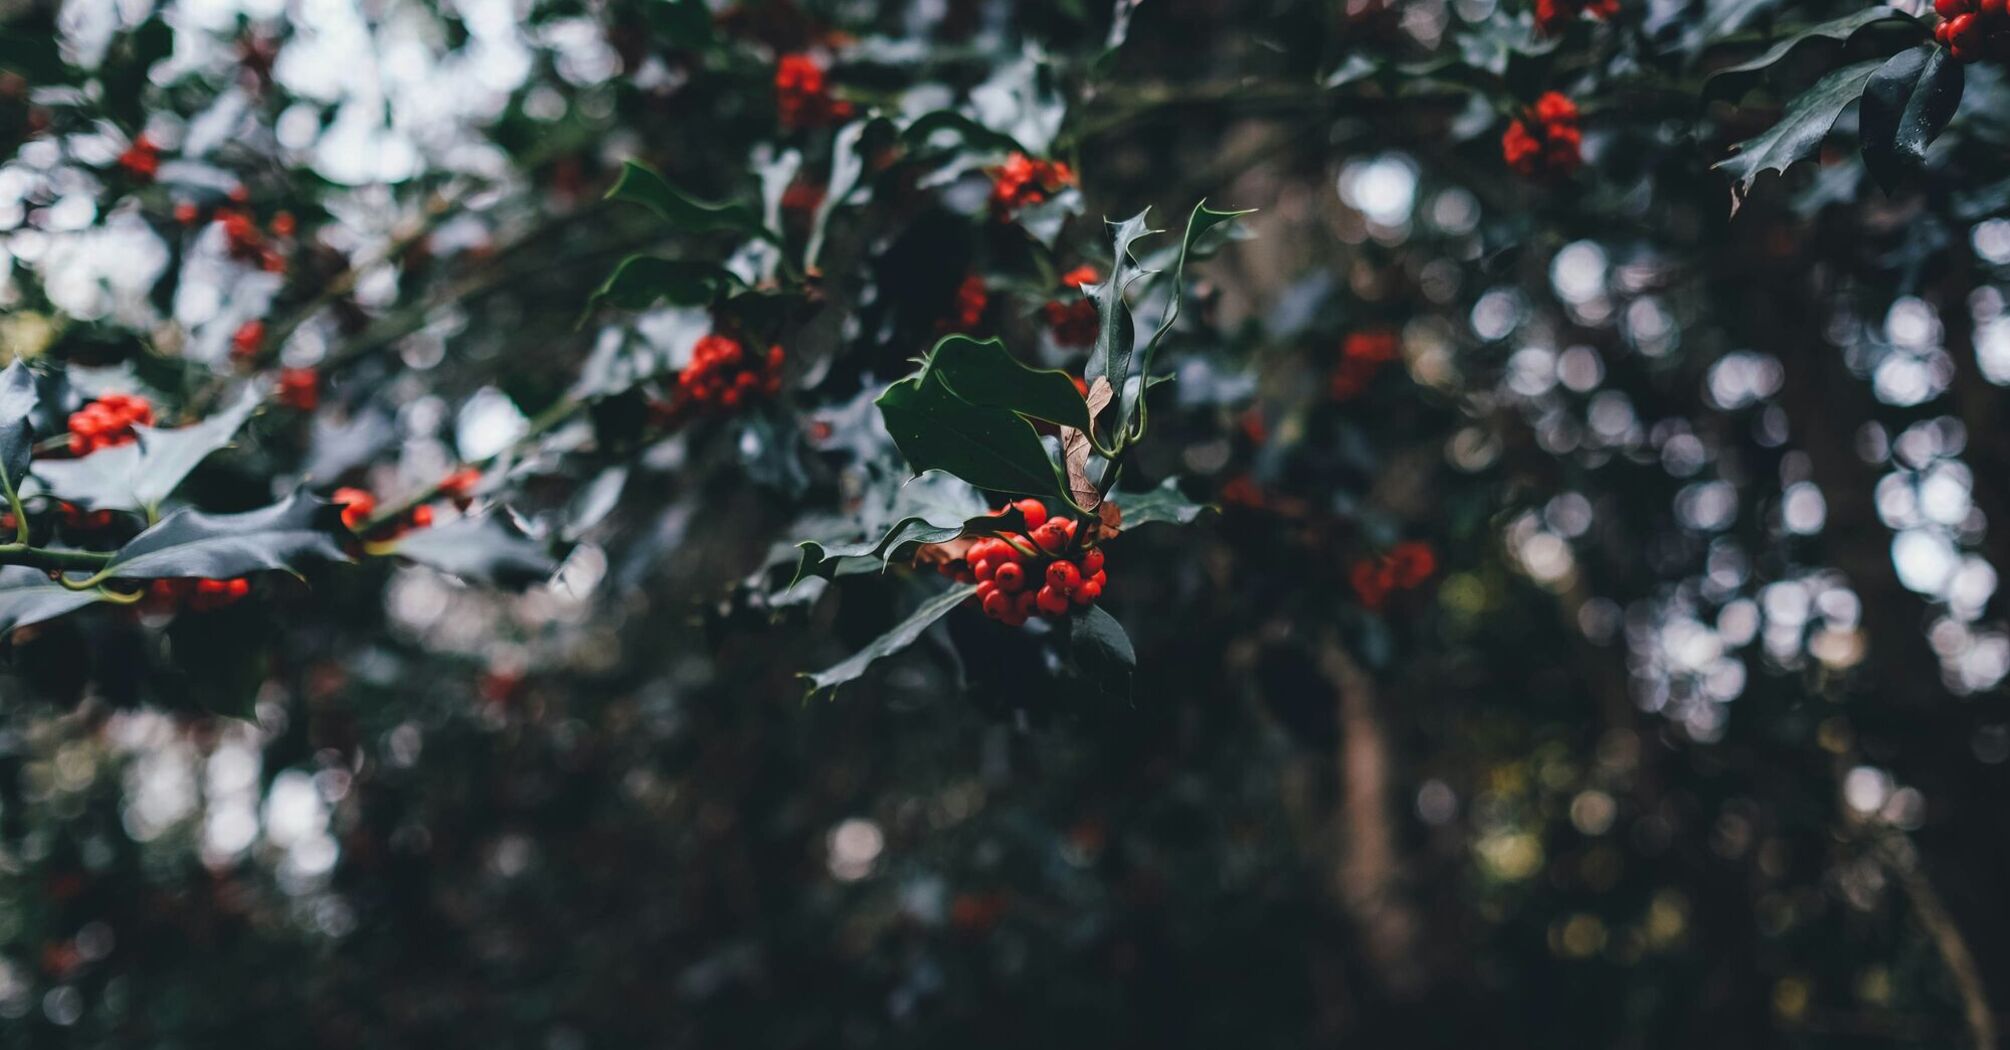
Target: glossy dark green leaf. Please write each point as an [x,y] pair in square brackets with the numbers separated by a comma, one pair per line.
[1800,129]
[1203,221]
[1116,329]
[989,447]
[640,185]
[34,56]
[29,596]
[1099,645]
[641,281]
[483,549]
[1164,505]
[983,372]
[190,544]
[1905,107]
[1731,82]
[900,637]
[927,126]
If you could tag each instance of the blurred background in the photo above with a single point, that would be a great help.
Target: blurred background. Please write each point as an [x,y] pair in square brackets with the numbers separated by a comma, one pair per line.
[1693,736]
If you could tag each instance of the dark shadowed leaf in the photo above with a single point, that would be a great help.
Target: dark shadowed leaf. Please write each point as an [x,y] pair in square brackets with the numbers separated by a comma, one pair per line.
[1801,128]
[29,596]
[989,447]
[825,559]
[1099,645]
[900,637]
[938,122]
[1905,106]
[641,281]
[483,549]
[189,543]
[1731,82]
[1162,505]
[639,185]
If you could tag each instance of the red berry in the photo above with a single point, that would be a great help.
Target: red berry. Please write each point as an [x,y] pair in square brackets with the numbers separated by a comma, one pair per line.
[1063,576]
[1088,592]
[1949,8]
[1092,561]
[1034,511]
[1010,577]
[998,605]
[983,569]
[1052,601]
[1051,537]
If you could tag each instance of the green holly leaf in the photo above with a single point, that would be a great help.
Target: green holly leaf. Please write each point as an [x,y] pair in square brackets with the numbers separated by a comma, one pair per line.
[924,128]
[987,446]
[904,634]
[1905,107]
[483,549]
[1731,82]
[639,184]
[191,544]
[1098,644]
[1801,128]
[825,559]
[29,596]
[141,474]
[1162,505]
[983,372]
[641,281]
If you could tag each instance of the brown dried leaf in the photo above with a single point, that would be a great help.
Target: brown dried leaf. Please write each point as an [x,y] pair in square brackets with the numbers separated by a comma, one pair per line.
[1076,446]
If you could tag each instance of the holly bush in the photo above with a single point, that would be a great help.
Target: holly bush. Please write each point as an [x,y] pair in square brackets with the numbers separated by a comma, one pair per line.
[800,523]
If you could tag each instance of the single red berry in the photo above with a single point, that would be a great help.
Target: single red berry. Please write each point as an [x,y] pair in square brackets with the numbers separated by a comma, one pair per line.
[357,506]
[1051,537]
[1010,577]
[1088,592]
[998,605]
[1034,511]
[1092,561]
[1063,576]
[1052,601]
[983,569]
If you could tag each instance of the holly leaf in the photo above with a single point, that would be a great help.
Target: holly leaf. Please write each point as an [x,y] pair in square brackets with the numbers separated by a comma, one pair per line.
[1731,82]
[641,281]
[1905,106]
[482,549]
[17,426]
[1162,505]
[985,373]
[1116,330]
[28,596]
[924,128]
[1201,222]
[904,634]
[818,559]
[191,544]
[987,446]
[1800,130]
[139,475]
[1099,645]
[639,184]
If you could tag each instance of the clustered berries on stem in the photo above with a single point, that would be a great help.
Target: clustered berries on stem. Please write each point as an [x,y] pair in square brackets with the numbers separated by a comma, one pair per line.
[199,595]
[1362,354]
[247,243]
[108,421]
[1546,141]
[967,314]
[1024,180]
[1974,30]
[300,389]
[723,375]
[1074,322]
[802,98]
[1042,572]
[1405,567]
[1552,15]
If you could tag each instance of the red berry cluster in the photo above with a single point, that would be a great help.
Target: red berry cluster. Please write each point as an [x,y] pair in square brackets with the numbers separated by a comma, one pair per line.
[1546,141]
[1024,180]
[248,244]
[76,519]
[802,98]
[142,159]
[724,375]
[300,389]
[1973,30]
[972,298]
[358,505]
[1074,323]
[460,486]
[108,421]
[1407,565]
[1362,354]
[1040,572]
[197,594]
[1552,15]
